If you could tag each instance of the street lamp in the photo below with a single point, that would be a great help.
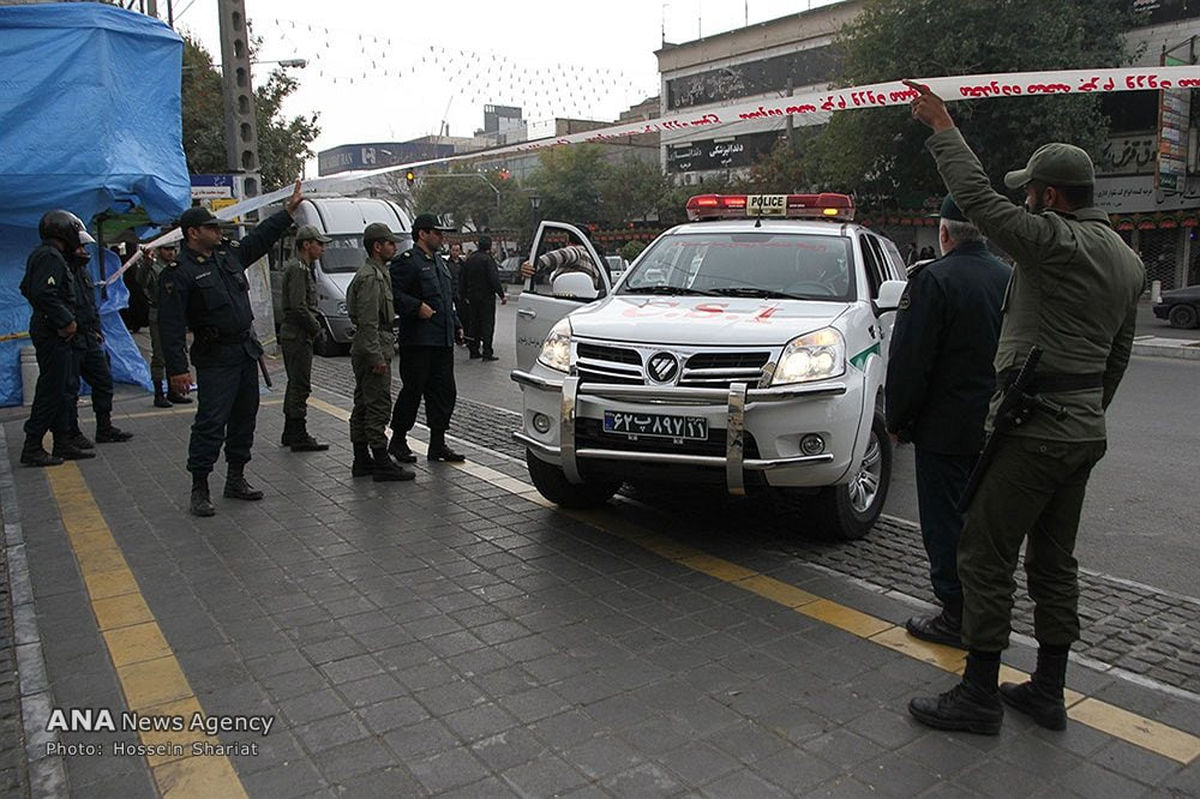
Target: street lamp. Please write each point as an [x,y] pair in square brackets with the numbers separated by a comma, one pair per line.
[535,202]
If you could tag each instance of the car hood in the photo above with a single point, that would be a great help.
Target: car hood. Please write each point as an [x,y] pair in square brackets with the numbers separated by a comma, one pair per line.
[1188,294]
[728,321]
[341,280]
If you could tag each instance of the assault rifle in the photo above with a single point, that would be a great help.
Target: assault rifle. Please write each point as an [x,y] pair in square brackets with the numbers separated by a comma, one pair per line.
[1017,404]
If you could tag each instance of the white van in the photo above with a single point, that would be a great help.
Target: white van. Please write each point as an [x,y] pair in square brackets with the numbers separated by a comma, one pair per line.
[343,219]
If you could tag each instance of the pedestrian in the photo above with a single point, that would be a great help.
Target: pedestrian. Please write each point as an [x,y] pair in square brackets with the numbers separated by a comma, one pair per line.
[206,291]
[454,262]
[1074,294]
[91,362]
[369,304]
[927,254]
[49,287]
[480,287]
[429,329]
[297,332]
[910,255]
[148,272]
[939,381]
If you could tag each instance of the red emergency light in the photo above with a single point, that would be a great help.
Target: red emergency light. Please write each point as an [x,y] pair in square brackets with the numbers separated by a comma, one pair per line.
[792,206]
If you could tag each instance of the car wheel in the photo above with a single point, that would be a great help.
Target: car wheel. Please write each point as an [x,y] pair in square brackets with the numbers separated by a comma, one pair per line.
[848,511]
[552,484]
[1183,316]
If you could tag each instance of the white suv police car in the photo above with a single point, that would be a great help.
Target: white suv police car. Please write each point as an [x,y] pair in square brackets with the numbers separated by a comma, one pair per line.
[746,348]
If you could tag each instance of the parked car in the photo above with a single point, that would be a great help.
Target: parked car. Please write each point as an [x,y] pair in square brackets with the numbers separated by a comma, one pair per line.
[1180,307]
[616,267]
[510,269]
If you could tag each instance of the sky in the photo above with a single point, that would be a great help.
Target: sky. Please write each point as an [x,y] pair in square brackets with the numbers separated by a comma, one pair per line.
[380,70]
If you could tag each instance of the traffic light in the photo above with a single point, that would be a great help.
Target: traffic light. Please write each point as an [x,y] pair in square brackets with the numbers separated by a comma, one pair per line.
[505,174]
[410,178]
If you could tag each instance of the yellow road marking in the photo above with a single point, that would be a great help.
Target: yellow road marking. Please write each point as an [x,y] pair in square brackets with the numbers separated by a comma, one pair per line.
[149,674]
[1153,736]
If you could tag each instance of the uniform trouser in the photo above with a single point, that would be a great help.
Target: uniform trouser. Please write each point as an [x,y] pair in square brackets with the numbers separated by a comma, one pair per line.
[158,367]
[297,360]
[1033,490]
[482,314]
[93,366]
[372,403]
[227,410]
[56,361]
[940,482]
[426,372]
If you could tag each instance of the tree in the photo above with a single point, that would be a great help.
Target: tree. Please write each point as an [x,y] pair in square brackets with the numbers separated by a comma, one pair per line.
[632,190]
[879,155]
[463,194]
[571,182]
[283,144]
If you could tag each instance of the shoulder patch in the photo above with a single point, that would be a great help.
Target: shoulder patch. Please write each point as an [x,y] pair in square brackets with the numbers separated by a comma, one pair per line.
[407,254]
[50,281]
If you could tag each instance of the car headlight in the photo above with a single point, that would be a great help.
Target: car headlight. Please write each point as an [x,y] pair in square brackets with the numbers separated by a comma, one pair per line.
[814,356]
[556,349]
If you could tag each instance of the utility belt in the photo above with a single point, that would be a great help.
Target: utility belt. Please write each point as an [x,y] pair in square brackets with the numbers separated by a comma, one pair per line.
[1051,382]
[211,335]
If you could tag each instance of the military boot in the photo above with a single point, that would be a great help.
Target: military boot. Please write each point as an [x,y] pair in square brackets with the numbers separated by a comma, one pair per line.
[1041,698]
[77,439]
[106,433]
[364,465]
[971,706]
[945,628]
[439,452]
[236,486]
[303,442]
[201,502]
[289,432]
[386,470]
[398,449]
[160,397]
[66,449]
[33,454]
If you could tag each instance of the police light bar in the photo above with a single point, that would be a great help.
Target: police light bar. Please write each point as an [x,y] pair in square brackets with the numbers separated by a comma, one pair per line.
[792,206]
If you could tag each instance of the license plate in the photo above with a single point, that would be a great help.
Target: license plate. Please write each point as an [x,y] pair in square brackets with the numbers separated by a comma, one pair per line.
[657,425]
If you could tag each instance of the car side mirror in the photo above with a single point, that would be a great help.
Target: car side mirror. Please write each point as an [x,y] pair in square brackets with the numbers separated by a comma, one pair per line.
[575,286]
[890,292]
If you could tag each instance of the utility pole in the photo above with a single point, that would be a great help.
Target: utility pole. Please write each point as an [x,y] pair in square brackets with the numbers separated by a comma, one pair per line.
[791,130]
[241,126]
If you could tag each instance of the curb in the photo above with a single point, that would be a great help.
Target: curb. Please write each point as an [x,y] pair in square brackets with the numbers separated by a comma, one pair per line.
[1168,348]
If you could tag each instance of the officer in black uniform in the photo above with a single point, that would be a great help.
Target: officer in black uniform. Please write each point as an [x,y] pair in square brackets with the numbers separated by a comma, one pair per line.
[423,294]
[206,291]
[939,382]
[50,288]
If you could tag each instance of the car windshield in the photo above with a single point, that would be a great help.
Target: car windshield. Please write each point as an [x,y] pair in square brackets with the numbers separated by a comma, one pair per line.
[344,254]
[752,264]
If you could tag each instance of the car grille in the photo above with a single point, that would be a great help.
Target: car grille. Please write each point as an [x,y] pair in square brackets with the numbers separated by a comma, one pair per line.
[589,435]
[597,363]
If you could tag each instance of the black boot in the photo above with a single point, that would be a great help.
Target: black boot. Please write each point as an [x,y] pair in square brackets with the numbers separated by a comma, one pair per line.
[303,442]
[439,452]
[945,628]
[160,398]
[398,449]
[289,432]
[201,503]
[386,470]
[33,454]
[77,439]
[971,706]
[364,465]
[66,449]
[236,486]
[106,433]
[1041,698]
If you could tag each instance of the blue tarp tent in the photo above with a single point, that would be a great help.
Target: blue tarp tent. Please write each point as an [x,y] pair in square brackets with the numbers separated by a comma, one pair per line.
[90,121]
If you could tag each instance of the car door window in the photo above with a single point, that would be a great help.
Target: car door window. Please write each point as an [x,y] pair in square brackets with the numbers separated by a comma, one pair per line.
[562,249]
[871,260]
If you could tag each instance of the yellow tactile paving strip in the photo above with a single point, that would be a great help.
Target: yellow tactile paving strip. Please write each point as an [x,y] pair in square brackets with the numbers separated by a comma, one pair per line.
[150,676]
[1153,736]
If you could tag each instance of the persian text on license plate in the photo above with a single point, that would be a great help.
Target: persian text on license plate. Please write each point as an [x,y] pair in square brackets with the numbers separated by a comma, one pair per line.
[660,425]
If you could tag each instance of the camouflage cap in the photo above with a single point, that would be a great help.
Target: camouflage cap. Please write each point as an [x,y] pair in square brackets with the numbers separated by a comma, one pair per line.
[377,231]
[1055,164]
[310,233]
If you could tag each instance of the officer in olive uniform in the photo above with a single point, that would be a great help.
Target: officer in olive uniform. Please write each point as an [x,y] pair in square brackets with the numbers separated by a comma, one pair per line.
[299,328]
[429,329]
[206,291]
[369,304]
[1074,294]
[49,285]
[152,265]
[939,381]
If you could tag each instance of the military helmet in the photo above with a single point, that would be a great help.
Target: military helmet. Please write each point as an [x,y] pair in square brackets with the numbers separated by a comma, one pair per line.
[64,226]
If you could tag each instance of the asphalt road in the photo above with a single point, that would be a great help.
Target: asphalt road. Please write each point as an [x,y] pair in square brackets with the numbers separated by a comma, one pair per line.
[1142,516]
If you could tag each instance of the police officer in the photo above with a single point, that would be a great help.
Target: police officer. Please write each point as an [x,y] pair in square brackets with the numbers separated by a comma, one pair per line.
[369,303]
[480,285]
[299,328]
[939,381]
[1074,294]
[49,285]
[92,363]
[152,265]
[429,329]
[206,291]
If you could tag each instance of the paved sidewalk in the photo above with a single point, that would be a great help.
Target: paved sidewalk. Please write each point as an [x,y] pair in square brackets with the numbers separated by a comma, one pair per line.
[456,637]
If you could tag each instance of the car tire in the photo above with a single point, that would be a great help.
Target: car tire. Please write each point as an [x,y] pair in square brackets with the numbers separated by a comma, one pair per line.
[552,484]
[848,511]
[1183,316]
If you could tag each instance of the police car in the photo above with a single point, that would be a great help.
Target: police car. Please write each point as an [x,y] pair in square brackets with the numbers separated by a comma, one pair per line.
[745,349]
